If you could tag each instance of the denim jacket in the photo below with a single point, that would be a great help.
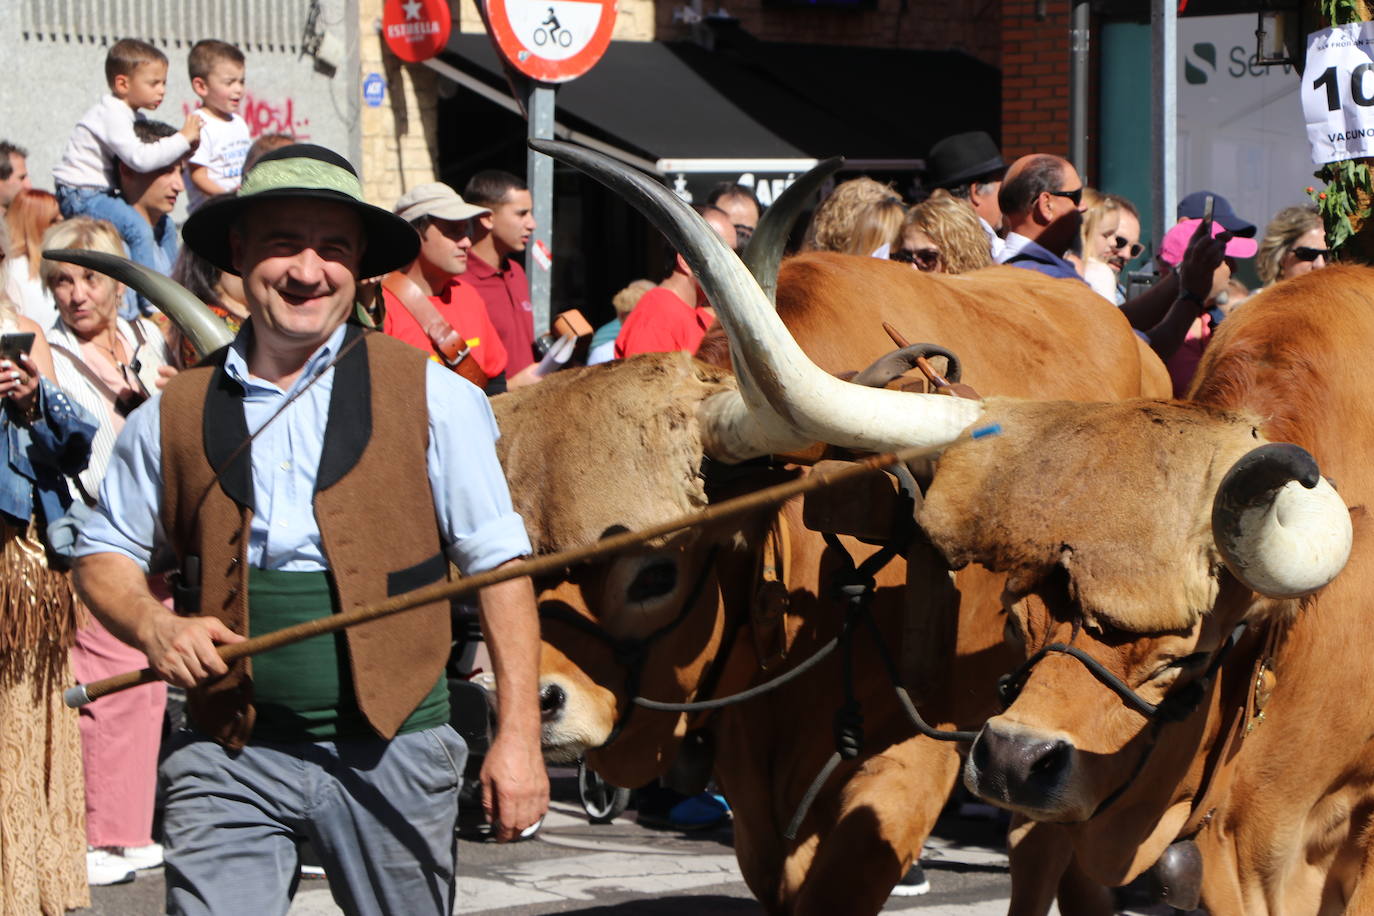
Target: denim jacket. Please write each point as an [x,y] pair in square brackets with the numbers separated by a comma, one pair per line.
[36,457]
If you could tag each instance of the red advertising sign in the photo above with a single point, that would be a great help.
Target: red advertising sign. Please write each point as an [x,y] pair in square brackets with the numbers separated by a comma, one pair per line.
[552,41]
[416,30]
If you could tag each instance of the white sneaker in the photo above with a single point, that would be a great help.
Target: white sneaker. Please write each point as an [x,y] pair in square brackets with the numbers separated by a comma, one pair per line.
[143,857]
[104,868]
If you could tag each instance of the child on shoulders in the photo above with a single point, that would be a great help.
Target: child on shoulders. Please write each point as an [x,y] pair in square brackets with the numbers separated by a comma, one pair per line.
[87,176]
[217,78]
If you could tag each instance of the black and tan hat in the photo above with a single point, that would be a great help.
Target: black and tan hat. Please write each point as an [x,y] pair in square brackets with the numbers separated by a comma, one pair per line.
[304,170]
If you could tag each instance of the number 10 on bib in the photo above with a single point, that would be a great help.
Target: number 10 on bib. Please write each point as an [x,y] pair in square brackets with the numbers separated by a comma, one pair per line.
[1338,92]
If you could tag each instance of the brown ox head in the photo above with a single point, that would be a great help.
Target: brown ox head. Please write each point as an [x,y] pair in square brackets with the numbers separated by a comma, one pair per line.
[592,452]
[1139,533]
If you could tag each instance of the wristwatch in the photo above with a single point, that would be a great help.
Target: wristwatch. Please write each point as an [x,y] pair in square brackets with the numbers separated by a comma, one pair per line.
[1191,296]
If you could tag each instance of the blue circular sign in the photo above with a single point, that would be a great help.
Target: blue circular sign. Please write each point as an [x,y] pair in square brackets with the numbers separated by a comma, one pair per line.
[374,89]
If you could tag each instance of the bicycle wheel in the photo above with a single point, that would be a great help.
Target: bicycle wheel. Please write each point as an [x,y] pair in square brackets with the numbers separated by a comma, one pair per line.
[564,38]
[602,801]
[541,37]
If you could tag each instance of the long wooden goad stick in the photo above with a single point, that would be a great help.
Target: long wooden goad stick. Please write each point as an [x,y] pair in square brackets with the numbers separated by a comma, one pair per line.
[82,694]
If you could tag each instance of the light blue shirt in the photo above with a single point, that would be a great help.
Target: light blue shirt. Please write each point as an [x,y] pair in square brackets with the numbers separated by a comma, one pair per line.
[477,525]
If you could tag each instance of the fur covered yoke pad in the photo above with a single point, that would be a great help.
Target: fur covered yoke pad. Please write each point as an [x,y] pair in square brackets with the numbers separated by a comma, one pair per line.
[1119,495]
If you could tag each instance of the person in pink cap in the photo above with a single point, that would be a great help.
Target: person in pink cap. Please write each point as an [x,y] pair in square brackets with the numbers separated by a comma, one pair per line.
[1182,360]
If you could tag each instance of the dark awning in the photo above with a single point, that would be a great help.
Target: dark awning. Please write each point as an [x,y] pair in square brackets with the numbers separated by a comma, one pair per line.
[750,99]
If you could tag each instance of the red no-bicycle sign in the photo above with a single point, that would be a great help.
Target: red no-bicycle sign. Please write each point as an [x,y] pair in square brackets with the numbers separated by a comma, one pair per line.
[551,41]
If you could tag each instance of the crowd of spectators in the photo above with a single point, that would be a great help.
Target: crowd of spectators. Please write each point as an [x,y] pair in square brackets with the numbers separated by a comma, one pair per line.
[94,354]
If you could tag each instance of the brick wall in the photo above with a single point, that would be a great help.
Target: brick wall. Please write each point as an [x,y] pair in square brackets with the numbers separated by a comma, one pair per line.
[1035,78]
[929,25]
[399,137]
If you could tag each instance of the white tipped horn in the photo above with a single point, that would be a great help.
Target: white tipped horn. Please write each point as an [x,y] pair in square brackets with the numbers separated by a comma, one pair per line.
[1280,526]
[782,393]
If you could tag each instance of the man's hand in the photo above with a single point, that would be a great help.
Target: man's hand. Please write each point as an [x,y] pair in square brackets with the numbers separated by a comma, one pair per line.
[515,785]
[1201,260]
[165,374]
[182,649]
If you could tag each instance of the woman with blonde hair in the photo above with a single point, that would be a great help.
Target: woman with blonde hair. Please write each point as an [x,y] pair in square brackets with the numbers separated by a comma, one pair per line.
[109,366]
[42,814]
[1294,244]
[942,234]
[859,217]
[30,214]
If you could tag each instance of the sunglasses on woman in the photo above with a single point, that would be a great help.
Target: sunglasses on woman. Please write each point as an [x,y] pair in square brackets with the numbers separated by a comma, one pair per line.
[1134,251]
[924,258]
[1303,253]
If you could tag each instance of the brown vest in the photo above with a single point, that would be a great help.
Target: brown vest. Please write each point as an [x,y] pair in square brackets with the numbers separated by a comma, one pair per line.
[372,502]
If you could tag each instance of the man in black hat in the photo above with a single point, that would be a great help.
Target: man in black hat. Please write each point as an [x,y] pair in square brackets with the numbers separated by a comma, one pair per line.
[290,475]
[970,167]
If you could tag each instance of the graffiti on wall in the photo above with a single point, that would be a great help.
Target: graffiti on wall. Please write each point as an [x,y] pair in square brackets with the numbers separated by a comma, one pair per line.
[264,116]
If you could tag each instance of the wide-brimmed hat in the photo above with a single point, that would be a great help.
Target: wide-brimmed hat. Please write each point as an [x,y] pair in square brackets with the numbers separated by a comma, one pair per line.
[1191,207]
[1176,242]
[436,200]
[304,171]
[959,159]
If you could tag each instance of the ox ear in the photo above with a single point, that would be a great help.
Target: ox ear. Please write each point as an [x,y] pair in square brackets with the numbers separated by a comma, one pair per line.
[764,252]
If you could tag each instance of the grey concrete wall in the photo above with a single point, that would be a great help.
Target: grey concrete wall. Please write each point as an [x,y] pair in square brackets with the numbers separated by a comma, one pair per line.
[48,79]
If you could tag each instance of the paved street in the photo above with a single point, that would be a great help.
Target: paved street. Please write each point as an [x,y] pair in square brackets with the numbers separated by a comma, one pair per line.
[623,868]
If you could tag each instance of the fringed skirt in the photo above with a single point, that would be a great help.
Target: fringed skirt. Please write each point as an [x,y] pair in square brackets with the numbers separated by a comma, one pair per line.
[42,808]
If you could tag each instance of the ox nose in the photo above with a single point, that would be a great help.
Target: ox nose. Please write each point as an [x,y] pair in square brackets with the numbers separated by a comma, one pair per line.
[1024,771]
[552,699]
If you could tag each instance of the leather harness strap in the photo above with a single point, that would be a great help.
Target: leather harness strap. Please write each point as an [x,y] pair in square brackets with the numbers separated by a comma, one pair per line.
[448,343]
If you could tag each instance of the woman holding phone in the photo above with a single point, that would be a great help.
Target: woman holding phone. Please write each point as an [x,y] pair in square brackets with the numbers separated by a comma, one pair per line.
[109,366]
[42,437]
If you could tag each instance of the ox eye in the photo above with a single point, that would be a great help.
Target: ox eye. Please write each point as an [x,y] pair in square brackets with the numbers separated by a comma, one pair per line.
[1180,665]
[653,581]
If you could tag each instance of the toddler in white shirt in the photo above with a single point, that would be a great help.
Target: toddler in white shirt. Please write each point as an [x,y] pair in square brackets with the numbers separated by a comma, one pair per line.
[87,177]
[217,78]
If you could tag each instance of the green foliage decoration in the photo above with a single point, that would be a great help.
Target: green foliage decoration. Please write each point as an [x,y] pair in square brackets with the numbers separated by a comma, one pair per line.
[1349,189]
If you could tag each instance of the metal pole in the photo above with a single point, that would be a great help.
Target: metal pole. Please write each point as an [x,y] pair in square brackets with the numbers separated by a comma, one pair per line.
[539,103]
[1164,115]
[1080,38]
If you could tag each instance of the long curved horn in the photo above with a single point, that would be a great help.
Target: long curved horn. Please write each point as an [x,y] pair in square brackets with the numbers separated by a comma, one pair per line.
[1280,526]
[781,392]
[764,252]
[206,330]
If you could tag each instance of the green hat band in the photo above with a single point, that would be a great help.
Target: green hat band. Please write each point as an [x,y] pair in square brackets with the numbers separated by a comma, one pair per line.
[300,175]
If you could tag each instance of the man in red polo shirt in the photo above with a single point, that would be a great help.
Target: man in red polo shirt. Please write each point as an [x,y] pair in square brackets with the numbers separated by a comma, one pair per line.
[675,314]
[444,221]
[494,270]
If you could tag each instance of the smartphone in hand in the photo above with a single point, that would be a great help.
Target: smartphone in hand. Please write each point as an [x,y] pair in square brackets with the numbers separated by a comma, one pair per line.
[12,346]
[1207,207]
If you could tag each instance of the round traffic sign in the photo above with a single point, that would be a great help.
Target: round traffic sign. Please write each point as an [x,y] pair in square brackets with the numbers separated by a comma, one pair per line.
[551,40]
[416,30]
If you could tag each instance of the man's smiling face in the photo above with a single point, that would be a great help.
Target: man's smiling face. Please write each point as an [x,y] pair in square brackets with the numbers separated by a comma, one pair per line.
[299,262]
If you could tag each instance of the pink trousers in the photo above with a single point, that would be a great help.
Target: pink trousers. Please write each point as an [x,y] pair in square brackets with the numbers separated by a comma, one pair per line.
[120,737]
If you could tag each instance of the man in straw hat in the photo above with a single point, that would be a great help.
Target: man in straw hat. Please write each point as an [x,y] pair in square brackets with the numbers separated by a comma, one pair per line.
[341,739]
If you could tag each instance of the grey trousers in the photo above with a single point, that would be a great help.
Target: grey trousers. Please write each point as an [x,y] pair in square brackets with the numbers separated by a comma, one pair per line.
[381,815]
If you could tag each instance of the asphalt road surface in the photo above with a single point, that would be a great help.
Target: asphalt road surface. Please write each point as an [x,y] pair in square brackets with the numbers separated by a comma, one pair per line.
[624,869]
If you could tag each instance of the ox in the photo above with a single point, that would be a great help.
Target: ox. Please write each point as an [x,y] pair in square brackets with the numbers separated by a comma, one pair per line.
[1139,536]
[619,446]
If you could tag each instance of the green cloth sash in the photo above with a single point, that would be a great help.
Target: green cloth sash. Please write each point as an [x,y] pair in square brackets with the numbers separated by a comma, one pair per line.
[304,691]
